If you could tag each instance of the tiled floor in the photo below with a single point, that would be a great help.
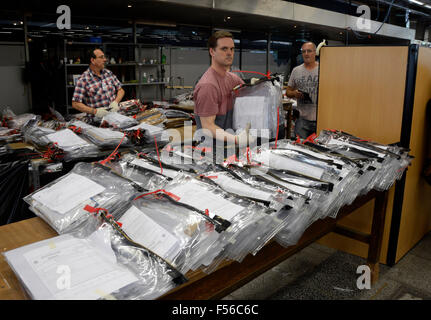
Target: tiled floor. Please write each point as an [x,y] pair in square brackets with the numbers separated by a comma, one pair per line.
[321,273]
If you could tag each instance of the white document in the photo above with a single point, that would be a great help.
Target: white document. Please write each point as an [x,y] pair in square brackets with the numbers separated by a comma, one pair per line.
[289,186]
[145,231]
[250,109]
[192,194]
[152,130]
[66,138]
[231,185]
[68,268]
[144,164]
[105,133]
[119,119]
[284,163]
[343,143]
[67,193]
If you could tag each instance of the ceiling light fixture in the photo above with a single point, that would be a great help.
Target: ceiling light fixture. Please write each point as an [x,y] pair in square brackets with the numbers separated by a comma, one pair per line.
[417,2]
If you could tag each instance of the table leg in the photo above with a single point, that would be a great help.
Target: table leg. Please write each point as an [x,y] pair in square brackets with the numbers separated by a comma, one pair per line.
[376,236]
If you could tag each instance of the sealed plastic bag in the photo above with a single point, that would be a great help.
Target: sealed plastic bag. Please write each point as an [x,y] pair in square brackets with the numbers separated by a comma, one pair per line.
[260,105]
[61,203]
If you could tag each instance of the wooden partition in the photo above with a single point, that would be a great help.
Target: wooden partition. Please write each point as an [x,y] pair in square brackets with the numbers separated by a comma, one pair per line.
[369,92]
[416,207]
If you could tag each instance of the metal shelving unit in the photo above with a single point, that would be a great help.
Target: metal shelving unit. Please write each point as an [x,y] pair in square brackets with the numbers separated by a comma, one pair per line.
[139,67]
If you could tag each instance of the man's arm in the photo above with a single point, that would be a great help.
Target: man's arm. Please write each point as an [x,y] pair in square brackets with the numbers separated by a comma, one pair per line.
[83,108]
[293,93]
[120,95]
[217,132]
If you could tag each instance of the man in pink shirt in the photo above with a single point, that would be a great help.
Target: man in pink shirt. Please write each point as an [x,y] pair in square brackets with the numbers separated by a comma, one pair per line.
[213,95]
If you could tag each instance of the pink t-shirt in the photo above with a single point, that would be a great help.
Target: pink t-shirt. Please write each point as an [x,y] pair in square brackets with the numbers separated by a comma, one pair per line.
[213,95]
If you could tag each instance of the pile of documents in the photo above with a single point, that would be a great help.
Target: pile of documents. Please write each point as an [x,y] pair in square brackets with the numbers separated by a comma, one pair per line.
[136,228]
[104,138]
[118,121]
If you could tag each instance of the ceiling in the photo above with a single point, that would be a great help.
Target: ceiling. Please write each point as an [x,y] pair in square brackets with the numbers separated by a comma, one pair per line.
[164,21]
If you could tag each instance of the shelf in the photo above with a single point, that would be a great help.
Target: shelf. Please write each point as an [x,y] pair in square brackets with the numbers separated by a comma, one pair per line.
[132,84]
[143,83]
[108,64]
[152,64]
[179,87]
[76,65]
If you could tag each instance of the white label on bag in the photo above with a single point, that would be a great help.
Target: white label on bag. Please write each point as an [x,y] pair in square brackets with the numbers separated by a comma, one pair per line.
[66,138]
[239,188]
[145,231]
[87,270]
[68,193]
[198,197]
[144,164]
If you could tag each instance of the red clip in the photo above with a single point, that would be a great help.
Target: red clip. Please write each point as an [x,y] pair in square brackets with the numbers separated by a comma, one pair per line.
[209,226]
[209,177]
[114,153]
[173,196]
[93,209]
[231,159]
[310,138]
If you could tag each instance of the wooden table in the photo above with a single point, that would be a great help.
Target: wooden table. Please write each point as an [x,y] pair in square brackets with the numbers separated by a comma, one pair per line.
[229,275]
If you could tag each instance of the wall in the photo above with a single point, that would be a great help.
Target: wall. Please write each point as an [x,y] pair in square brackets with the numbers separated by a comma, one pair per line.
[13,91]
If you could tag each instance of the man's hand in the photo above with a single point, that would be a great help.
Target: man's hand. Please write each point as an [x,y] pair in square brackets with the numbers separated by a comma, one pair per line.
[298,94]
[114,107]
[243,139]
[101,112]
[254,80]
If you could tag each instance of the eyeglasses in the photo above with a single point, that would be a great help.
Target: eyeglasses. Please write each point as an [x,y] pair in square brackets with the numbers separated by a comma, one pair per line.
[307,51]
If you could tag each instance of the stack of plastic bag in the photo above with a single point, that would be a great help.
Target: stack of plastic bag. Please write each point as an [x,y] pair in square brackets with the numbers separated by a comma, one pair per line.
[250,224]
[177,233]
[131,107]
[306,171]
[118,121]
[144,133]
[14,121]
[61,203]
[143,171]
[390,161]
[103,138]
[89,266]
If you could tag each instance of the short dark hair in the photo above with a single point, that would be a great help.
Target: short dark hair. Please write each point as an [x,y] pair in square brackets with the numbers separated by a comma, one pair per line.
[90,54]
[212,41]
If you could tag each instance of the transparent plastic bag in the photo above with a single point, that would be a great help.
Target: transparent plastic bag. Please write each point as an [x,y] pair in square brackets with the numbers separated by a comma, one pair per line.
[61,203]
[260,105]
[118,121]
[88,266]
[179,235]
[251,225]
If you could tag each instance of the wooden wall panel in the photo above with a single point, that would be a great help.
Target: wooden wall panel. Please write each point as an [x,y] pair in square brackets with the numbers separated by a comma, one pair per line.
[361,91]
[416,213]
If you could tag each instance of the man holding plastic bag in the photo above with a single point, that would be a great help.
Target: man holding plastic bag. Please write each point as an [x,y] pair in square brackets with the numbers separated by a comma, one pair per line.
[213,95]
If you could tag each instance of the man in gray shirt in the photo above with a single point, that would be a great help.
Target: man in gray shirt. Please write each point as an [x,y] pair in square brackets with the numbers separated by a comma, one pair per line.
[302,85]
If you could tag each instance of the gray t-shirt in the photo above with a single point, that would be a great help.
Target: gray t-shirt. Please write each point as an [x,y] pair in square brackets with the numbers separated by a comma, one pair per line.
[307,81]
